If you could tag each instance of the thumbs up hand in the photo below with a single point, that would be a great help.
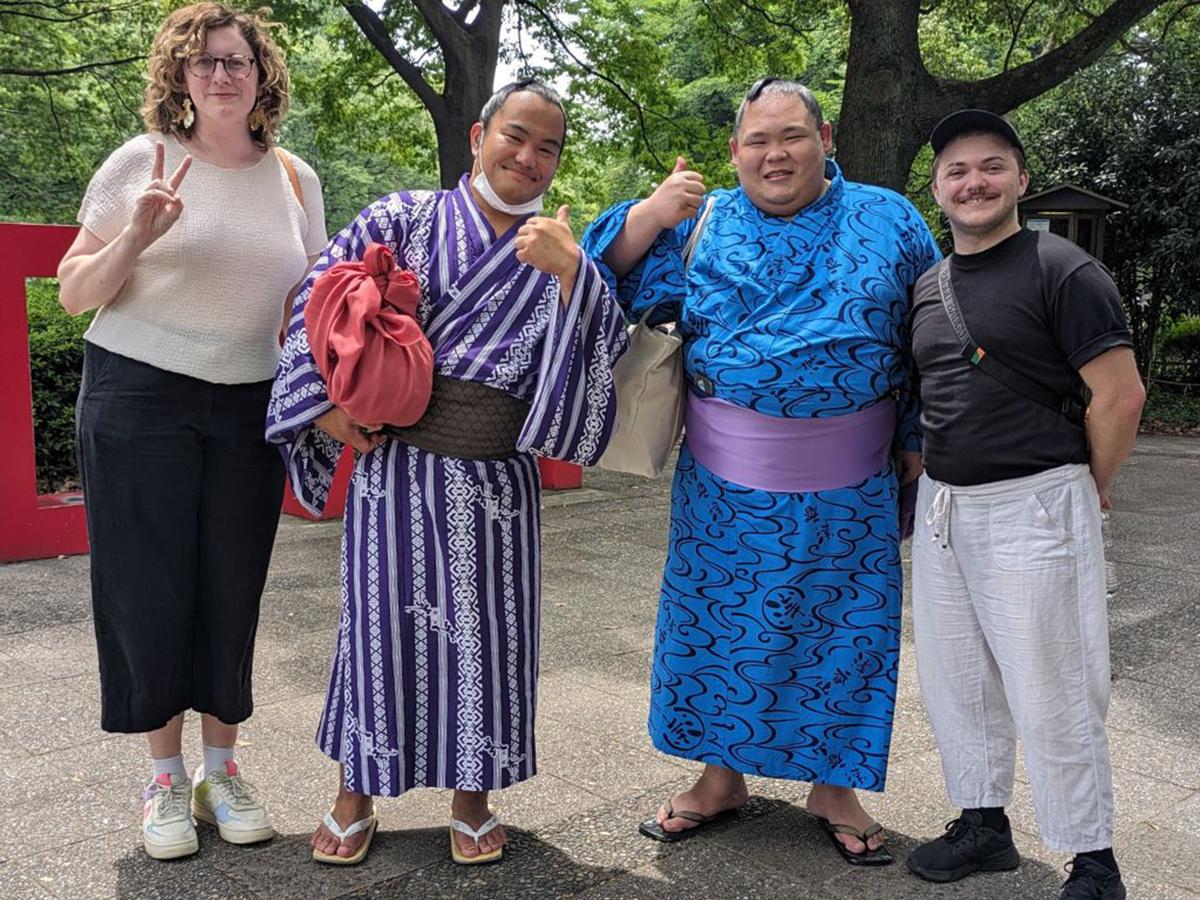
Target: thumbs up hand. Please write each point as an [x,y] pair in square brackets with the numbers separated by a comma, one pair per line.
[678,197]
[549,246]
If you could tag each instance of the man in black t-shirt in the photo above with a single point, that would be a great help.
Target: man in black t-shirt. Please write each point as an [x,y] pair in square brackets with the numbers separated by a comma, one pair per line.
[1014,335]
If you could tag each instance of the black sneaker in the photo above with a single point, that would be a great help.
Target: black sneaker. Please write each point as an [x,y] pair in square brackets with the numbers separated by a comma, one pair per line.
[966,847]
[1090,880]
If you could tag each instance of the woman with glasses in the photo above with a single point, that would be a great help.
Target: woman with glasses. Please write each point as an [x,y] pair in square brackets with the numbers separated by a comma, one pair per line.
[193,237]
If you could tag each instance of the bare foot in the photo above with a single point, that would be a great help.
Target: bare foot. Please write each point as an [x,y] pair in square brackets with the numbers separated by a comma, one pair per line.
[840,806]
[471,807]
[717,789]
[348,808]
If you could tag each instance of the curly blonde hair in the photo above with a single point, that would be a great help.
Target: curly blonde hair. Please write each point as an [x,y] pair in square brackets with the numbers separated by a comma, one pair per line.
[182,34]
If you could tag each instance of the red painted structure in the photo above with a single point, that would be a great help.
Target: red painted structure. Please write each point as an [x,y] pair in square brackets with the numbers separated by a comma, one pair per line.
[36,526]
[336,504]
[32,525]
[560,476]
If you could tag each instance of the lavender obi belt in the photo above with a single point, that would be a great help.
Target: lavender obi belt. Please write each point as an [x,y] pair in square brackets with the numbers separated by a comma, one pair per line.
[770,453]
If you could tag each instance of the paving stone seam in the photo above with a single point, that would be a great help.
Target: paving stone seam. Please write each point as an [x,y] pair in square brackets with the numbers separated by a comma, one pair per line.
[25,857]
[620,866]
[1178,784]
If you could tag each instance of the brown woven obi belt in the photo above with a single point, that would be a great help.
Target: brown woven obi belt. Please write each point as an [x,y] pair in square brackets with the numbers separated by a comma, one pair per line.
[466,420]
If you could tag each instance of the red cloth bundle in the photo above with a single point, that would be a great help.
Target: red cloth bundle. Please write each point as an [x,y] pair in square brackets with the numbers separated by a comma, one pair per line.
[376,362]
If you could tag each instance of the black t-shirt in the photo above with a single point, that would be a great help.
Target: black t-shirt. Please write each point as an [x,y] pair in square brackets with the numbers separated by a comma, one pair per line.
[1042,306]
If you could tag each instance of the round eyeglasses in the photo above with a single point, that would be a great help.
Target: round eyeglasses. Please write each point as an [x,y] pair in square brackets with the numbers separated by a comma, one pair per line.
[202,65]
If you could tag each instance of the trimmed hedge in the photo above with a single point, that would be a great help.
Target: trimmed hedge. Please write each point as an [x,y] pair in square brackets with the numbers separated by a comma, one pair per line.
[1171,412]
[1178,357]
[56,366]
[1183,338]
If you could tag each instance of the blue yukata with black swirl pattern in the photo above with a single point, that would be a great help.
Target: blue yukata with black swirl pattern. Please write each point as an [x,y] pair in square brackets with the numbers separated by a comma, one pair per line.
[778,632]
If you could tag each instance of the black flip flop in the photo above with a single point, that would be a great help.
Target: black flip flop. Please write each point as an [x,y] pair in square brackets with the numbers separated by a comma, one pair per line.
[877,857]
[651,829]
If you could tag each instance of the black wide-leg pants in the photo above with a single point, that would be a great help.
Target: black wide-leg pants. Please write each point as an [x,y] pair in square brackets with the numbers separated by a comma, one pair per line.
[182,496]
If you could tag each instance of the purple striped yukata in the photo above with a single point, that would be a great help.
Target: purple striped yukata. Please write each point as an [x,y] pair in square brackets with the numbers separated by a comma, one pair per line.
[434,677]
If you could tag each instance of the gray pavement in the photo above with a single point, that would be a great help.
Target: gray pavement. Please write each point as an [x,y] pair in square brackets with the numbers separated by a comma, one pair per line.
[70,795]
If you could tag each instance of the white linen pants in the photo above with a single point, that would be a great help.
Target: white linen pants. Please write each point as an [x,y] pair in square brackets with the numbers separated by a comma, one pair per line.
[1012,641]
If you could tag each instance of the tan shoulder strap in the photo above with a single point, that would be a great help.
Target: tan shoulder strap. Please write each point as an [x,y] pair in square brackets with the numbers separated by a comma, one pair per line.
[689,249]
[291,174]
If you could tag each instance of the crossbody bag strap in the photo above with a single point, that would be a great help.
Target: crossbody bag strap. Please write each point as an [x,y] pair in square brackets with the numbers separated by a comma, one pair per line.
[1070,407]
[291,174]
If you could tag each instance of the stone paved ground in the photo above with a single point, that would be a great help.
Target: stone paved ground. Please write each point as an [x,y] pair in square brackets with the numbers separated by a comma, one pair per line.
[69,795]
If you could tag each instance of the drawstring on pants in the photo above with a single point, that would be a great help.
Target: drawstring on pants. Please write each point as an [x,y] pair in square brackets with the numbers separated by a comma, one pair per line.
[938,515]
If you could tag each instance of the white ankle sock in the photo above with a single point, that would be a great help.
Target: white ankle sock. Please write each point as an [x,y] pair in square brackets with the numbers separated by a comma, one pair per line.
[215,758]
[170,765]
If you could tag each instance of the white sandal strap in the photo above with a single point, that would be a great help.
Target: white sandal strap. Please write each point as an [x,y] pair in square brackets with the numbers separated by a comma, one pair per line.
[350,830]
[490,825]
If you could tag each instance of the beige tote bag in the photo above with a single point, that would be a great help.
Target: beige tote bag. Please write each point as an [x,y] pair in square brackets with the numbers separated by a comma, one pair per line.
[650,390]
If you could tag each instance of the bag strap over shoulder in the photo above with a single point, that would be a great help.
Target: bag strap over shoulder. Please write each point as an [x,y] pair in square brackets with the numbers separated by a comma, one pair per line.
[689,249]
[291,174]
[1071,407]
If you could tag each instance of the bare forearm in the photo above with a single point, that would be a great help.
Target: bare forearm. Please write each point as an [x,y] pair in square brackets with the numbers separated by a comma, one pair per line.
[635,239]
[1112,427]
[91,280]
[676,199]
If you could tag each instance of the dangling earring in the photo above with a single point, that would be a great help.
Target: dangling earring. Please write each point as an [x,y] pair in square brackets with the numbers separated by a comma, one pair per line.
[189,114]
[258,119]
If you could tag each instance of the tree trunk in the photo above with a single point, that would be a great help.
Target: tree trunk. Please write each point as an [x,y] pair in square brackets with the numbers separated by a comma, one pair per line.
[1154,315]
[454,148]
[890,102]
[883,123]
[470,56]
[469,51]
[452,123]
[1126,278]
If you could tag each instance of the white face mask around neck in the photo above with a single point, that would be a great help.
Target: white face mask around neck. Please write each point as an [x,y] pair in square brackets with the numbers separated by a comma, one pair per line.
[488,193]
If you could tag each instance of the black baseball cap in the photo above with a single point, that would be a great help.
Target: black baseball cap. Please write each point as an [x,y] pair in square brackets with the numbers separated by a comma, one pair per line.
[966,120]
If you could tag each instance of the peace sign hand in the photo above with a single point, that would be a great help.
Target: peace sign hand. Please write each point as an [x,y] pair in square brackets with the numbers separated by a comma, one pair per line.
[159,204]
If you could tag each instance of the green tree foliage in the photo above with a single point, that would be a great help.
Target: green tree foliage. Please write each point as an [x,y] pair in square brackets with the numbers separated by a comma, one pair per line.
[663,77]
[352,119]
[646,81]
[1129,127]
[55,128]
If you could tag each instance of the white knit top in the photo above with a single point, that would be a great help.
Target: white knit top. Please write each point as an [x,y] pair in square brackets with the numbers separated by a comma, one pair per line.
[206,299]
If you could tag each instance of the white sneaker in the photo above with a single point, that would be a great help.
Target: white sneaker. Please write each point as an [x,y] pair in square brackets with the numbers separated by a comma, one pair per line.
[167,829]
[227,800]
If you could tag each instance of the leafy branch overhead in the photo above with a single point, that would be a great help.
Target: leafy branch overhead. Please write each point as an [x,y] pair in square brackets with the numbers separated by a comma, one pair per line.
[69,70]
[890,97]
[665,69]
[465,42]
